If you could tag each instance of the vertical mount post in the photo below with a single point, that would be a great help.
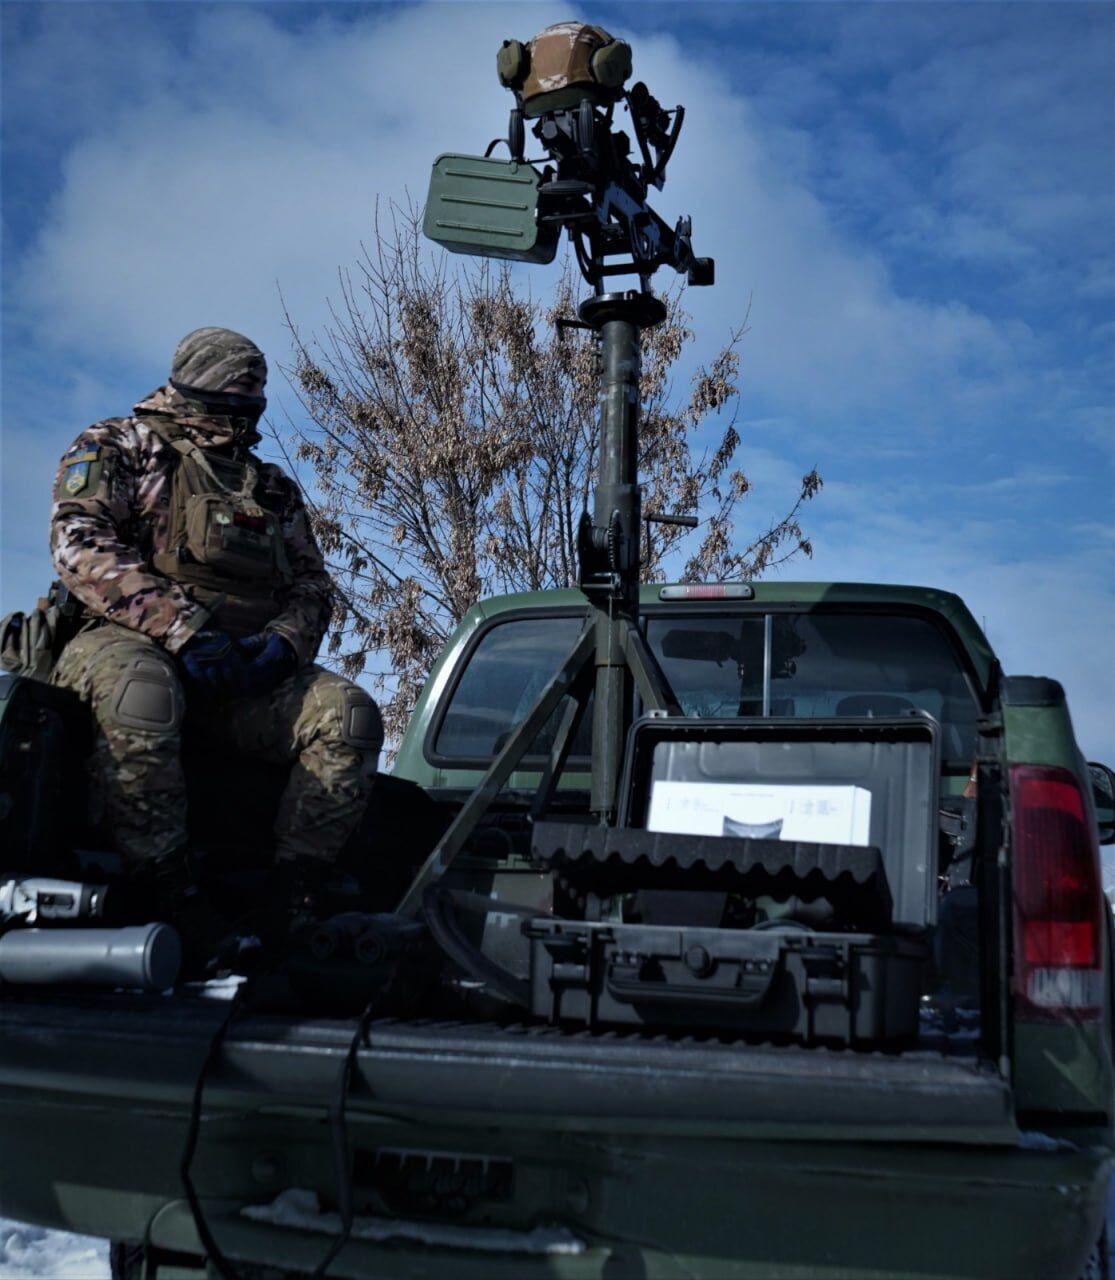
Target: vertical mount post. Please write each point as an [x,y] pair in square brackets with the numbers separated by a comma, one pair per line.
[610,544]
[594,189]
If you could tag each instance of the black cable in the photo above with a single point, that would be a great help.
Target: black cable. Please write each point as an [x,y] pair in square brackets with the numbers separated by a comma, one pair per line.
[213,1252]
[338,1137]
[338,1130]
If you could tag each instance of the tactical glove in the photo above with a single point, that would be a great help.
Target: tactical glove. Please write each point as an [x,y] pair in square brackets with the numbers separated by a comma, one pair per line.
[272,660]
[217,666]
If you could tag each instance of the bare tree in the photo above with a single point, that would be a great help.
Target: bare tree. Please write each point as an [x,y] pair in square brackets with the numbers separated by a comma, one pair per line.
[453,439]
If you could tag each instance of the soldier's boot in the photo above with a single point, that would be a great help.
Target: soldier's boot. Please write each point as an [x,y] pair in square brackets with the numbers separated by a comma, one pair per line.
[166,886]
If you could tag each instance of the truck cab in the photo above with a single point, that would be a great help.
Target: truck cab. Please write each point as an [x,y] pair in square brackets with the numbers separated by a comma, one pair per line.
[576,1137]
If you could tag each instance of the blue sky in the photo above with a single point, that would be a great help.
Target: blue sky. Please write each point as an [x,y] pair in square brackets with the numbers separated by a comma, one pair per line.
[918,200]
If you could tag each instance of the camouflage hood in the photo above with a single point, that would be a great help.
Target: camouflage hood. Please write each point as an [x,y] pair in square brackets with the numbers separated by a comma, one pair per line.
[207,430]
[208,360]
[215,389]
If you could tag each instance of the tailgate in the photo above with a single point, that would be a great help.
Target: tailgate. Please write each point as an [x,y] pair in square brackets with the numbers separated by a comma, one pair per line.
[553,1079]
[470,1144]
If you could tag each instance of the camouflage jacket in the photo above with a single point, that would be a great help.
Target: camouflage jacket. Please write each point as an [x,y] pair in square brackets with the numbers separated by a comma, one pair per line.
[111,513]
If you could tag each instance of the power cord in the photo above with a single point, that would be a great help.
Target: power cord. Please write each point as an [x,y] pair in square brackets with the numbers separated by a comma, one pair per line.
[338,1137]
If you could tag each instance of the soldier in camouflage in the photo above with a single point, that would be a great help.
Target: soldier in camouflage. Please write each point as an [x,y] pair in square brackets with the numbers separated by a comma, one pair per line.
[207,594]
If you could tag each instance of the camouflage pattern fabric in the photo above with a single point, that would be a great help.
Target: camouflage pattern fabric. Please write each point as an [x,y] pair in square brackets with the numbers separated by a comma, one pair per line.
[111,511]
[110,520]
[138,789]
[302,720]
[211,358]
[138,785]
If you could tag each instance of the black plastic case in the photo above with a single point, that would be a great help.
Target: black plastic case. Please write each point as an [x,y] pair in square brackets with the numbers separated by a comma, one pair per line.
[845,989]
[895,758]
[857,983]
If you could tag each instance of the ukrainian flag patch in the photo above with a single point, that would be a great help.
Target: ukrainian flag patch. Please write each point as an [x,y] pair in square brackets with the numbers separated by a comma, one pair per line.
[81,470]
[75,478]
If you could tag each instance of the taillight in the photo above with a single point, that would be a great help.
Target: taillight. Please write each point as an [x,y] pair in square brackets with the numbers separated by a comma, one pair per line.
[1058,897]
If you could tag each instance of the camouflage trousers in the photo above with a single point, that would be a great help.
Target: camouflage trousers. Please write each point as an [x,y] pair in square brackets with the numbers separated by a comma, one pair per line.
[325,726]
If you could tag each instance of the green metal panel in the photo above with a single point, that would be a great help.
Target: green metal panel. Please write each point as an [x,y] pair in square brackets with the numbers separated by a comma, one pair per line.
[1042,735]
[1062,1068]
[488,207]
[675,1210]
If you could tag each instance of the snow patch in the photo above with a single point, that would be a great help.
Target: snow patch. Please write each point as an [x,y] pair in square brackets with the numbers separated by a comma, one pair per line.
[299,1208]
[34,1253]
[1031,1140]
[217,988]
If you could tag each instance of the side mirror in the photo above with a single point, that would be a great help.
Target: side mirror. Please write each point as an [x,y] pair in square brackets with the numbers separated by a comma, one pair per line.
[1103,797]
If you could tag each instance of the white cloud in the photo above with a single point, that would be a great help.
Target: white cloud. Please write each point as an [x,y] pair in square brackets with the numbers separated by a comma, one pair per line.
[830,334]
[189,207]
[193,207]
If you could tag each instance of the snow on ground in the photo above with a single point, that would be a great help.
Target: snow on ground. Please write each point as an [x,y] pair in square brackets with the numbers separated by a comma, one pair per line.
[297,1208]
[34,1253]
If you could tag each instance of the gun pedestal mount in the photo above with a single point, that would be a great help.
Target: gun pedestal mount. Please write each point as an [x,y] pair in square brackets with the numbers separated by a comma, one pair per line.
[611,654]
[596,191]
[610,539]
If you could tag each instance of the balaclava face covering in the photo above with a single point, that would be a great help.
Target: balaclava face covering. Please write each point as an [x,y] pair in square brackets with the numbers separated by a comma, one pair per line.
[205,362]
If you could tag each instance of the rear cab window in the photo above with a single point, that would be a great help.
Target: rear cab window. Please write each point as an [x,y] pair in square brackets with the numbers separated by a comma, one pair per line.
[503,675]
[721,663]
[819,664]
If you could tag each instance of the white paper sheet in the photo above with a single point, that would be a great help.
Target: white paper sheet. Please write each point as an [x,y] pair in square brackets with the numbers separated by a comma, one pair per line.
[827,815]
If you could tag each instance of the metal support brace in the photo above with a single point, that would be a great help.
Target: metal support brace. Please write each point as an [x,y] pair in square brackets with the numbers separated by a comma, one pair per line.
[649,678]
[572,715]
[501,768]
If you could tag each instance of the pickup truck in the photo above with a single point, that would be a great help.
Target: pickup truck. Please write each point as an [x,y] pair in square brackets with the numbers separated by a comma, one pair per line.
[479,1139]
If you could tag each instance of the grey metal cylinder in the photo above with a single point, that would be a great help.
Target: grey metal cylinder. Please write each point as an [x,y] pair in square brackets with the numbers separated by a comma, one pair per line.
[616,513]
[145,956]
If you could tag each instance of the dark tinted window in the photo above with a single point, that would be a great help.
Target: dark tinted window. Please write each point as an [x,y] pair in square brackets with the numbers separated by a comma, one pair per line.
[503,678]
[713,664]
[821,665]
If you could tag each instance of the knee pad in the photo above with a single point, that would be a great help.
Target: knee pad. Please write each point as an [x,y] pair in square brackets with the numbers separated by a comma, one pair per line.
[147,696]
[361,723]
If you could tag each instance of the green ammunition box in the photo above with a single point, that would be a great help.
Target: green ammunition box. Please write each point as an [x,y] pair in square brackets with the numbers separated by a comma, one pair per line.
[488,208]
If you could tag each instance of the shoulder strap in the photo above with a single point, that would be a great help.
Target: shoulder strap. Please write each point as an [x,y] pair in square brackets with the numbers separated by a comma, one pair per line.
[187,448]
[165,561]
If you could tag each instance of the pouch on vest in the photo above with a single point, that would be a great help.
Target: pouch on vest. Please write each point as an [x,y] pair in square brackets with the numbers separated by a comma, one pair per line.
[229,538]
[223,544]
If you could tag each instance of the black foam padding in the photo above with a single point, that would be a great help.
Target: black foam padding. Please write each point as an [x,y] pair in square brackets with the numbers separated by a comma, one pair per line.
[611,860]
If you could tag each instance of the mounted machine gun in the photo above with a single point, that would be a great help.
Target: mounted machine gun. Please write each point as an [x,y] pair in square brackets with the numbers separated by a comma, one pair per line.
[568,82]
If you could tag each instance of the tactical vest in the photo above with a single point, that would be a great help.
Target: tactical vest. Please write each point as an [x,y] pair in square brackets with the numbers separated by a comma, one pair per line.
[222,543]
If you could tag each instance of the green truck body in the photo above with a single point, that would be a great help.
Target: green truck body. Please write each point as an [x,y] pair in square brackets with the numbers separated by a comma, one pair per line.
[594,1153]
